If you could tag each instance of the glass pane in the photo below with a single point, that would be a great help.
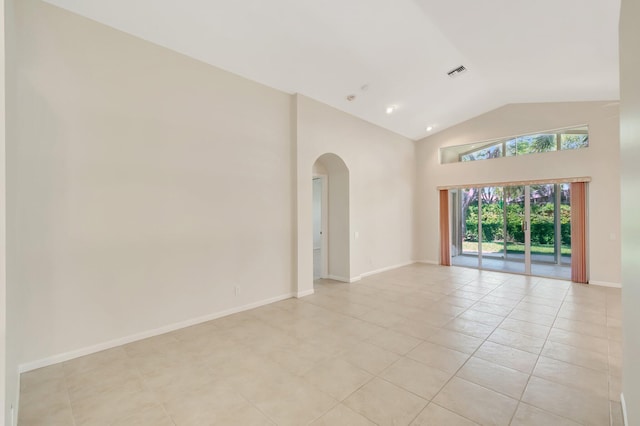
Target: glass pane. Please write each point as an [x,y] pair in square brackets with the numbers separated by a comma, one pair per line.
[464,240]
[455,220]
[511,146]
[514,204]
[574,141]
[573,138]
[544,143]
[533,143]
[492,222]
[493,247]
[543,230]
[550,225]
[565,223]
[493,151]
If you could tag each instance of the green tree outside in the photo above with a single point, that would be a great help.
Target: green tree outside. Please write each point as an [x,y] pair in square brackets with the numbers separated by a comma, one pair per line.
[542,223]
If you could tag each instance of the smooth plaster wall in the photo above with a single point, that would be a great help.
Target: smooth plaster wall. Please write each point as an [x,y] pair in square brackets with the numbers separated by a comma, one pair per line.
[3,269]
[381,186]
[10,364]
[142,187]
[600,161]
[630,155]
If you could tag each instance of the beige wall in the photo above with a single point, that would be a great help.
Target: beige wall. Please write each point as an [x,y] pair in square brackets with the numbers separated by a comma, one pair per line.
[10,382]
[143,187]
[600,161]
[630,154]
[3,300]
[381,184]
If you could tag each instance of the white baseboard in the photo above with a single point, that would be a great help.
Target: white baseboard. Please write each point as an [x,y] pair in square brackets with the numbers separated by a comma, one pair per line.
[625,420]
[367,274]
[605,284]
[342,279]
[387,268]
[428,262]
[55,359]
[305,293]
[337,278]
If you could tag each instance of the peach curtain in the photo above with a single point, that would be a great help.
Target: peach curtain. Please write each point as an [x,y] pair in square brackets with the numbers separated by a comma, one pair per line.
[445,244]
[578,232]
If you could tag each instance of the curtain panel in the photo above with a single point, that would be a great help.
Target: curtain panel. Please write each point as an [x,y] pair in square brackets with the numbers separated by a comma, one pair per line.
[445,244]
[579,232]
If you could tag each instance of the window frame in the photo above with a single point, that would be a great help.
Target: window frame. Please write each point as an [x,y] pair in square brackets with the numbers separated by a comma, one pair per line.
[478,147]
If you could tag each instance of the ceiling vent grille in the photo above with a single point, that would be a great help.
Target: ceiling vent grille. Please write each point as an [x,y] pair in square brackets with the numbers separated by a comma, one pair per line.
[456,71]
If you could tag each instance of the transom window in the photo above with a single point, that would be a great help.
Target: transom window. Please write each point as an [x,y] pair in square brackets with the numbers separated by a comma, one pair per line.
[557,140]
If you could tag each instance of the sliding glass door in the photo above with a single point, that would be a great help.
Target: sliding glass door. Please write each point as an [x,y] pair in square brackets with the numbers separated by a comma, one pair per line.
[515,242]
[521,229]
[465,246]
[550,230]
[492,223]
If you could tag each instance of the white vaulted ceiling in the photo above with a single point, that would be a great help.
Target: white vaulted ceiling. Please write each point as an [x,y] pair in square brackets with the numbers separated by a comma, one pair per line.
[514,50]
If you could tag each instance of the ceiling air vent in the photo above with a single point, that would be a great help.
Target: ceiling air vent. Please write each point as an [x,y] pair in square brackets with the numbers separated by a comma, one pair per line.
[457,71]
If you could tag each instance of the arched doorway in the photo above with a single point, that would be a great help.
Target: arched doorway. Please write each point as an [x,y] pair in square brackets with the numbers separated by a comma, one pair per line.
[331,221]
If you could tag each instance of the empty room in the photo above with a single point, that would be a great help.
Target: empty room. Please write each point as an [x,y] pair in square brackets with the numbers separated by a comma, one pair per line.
[414,212]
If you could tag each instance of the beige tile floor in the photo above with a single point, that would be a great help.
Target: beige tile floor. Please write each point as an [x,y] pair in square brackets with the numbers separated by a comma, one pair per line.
[419,345]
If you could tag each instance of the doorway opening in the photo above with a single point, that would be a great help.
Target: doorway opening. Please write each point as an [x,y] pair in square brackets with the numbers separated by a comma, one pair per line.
[330,215]
[320,269]
[524,229]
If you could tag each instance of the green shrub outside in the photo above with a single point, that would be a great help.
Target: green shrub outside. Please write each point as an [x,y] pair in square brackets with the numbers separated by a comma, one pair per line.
[542,223]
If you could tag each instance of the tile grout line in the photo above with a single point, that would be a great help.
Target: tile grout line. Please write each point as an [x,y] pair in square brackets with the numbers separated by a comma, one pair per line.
[498,326]
[471,356]
[378,375]
[68,394]
[148,389]
[538,360]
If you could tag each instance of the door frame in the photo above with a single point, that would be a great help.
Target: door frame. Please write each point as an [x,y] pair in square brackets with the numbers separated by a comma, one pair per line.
[527,260]
[527,231]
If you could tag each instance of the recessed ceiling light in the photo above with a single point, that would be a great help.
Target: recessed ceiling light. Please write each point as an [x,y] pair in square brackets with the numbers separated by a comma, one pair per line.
[429,128]
[391,108]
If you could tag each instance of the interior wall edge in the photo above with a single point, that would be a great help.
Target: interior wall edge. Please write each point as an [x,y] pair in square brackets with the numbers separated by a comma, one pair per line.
[338,278]
[605,284]
[13,415]
[305,293]
[385,269]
